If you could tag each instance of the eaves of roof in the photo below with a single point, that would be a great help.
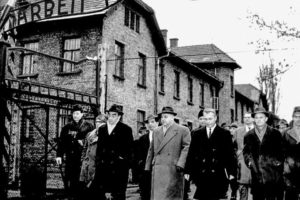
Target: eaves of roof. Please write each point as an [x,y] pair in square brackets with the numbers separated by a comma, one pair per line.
[205,54]
[173,55]
[245,97]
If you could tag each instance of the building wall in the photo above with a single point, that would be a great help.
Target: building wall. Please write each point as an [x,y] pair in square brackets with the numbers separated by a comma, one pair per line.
[226,101]
[185,112]
[126,92]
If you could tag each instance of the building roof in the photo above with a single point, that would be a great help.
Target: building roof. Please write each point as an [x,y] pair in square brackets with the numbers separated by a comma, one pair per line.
[249,91]
[182,62]
[206,53]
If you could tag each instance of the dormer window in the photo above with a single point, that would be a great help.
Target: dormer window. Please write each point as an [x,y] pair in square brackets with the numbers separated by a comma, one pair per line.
[132,20]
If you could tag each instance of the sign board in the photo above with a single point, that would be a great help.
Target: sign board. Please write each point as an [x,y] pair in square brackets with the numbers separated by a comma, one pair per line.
[49,9]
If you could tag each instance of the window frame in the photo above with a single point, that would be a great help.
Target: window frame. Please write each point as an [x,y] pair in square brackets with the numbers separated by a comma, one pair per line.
[176,93]
[142,70]
[32,57]
[161,74]
[119,60]
[201,94]
[73,52]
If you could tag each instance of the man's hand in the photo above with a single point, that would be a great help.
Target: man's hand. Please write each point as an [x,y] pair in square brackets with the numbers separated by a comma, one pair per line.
[58,160]
[187,177]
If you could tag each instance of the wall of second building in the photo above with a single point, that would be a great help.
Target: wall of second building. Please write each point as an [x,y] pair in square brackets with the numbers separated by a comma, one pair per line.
[226,99]
[186,112]
[126,92]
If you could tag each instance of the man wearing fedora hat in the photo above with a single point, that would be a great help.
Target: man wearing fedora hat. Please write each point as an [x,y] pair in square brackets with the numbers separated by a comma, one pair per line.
[113,156]
[264,155]
[70,143]
[143,144]
[167,156]
[292,159]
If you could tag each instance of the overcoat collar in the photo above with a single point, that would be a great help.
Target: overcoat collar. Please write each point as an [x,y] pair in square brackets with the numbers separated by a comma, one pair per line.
[293,134]
[170,133]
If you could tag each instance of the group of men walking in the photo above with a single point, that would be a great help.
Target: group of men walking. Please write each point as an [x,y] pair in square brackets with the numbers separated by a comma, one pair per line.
[252,157]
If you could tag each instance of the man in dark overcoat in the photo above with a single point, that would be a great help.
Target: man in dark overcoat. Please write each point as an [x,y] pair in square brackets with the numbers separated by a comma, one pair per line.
[211,161]
[70,144]
[264,155]
[292,158]
[113,156]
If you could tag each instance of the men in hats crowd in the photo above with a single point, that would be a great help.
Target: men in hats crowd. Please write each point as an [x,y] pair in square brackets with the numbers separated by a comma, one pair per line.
[70,144]
[254,155]
[211,159]
[167,156]
[113,157]
[264,156]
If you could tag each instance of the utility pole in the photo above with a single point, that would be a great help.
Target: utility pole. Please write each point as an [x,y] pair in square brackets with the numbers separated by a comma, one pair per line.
[4,114]
[101,61]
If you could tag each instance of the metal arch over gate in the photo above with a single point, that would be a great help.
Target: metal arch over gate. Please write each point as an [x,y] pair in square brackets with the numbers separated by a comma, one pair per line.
[42,100]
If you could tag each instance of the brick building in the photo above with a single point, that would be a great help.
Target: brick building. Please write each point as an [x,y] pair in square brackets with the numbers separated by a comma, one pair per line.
[213,60]
[134,70]
[248,97]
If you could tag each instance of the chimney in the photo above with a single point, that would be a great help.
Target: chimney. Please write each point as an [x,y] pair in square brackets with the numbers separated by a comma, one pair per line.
[164,33]
[173,42]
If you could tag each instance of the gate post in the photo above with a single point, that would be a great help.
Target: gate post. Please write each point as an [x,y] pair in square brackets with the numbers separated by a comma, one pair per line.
[3,107]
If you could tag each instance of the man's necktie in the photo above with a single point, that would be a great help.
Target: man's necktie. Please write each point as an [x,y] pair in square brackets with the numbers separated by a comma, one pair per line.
[209,133]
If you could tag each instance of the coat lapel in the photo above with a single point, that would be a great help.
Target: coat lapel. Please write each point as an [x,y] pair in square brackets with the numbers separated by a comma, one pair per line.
[171,132]
[293,134]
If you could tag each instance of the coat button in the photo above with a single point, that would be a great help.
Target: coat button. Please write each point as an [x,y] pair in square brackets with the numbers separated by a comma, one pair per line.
[212,171]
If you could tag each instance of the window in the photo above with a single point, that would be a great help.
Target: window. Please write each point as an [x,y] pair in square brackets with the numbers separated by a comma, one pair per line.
[140,118]
[176,120]
[63,118]
[132,20]
[30,59]
[177,84]
[231,86]
[232,115]
[202,94]
[27,125]
[161,72]
[142,70]
[119,59]
[190,89]
[71,51]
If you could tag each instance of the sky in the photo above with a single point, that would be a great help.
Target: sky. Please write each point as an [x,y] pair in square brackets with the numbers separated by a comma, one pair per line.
[226,24]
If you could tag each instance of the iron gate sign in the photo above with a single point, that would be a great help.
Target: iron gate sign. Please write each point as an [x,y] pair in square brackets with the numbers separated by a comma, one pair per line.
[47,9]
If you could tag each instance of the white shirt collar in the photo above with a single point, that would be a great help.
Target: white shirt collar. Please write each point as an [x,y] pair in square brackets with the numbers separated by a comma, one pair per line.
[110,127]
[212,129]
[150,136]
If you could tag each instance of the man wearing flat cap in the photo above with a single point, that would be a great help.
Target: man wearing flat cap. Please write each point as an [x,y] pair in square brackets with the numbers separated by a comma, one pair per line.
[292,160]
[113,156]
[70,144]
[167,156]
[143,147]
[264,156]
[211,161]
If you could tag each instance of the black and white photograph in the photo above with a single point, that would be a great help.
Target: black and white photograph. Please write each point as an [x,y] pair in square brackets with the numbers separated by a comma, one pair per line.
[149,100]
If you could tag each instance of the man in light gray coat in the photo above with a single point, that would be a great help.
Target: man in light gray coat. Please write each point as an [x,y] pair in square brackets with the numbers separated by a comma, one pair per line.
[244,174]
[167,156]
